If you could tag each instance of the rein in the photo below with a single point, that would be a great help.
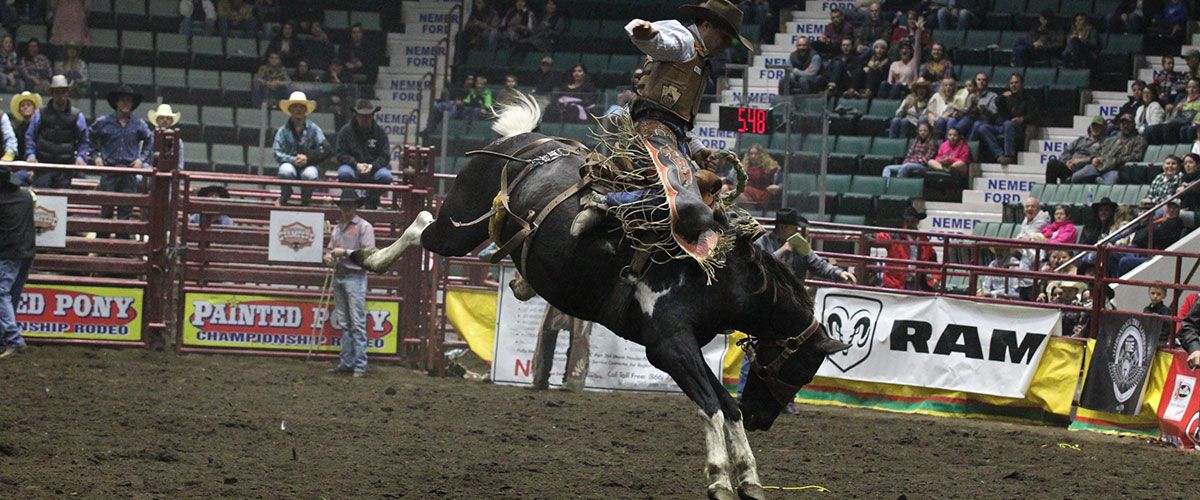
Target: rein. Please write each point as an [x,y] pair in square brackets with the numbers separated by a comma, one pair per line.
[770,372]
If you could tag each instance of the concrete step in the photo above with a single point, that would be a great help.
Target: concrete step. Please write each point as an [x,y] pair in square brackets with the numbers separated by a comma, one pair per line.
[973,198]
[1050,146]
[1155,63]
[1064,131]
[756,97]
[813,28]
[1036,178]
[1015,168]
[1109,95]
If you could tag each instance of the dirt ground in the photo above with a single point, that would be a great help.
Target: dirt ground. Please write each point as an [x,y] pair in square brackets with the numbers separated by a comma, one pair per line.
[100,423]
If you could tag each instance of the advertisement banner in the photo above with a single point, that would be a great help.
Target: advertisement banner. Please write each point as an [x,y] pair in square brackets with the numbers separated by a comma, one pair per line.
[280,323]
[50,221]
[1179,409]
[614,363]
[296,236]
[1116,379]
[935,342]
[80,312]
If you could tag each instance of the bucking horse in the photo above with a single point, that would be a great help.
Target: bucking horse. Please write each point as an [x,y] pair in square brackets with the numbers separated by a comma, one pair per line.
[672,308]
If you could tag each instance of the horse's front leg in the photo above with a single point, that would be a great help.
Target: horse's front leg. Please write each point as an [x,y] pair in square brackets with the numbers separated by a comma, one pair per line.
[679,356]
[741,458]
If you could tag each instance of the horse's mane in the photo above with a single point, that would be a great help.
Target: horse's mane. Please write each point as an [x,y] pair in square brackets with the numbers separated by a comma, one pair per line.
[778,278]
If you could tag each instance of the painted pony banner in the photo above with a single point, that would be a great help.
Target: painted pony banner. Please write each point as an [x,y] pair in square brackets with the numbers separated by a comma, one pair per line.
[1116,378]
[935,342]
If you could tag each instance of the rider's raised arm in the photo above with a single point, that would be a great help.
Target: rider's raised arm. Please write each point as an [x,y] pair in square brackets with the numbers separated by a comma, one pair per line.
[672,42]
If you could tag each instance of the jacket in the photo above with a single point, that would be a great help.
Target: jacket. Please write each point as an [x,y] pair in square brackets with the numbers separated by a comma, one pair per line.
[1189,329]
[312,143]
[900,248]
[17,233]
[1120,149]
[1084,148]
[1060,232]
[801,265]
[370,146]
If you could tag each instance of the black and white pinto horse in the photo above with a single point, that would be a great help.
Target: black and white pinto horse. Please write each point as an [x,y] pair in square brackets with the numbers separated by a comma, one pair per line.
[673,312]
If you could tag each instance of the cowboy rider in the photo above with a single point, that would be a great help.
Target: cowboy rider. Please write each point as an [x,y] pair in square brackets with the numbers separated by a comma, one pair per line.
[665,107]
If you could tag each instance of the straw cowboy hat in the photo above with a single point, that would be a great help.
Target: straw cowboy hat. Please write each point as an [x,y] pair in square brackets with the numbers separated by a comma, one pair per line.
[59,82]
[15,104]
[163,110]
[721,13]
[297,97]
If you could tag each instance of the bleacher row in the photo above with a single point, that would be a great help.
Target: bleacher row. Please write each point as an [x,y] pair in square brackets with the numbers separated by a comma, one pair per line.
[994,48]
[163,15]
[852,199]
[1078,199]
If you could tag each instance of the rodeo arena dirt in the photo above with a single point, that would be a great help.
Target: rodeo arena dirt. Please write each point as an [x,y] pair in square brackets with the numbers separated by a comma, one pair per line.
[599,249]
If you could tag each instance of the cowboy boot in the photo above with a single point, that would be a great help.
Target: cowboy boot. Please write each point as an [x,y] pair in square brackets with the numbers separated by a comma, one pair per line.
[593,208]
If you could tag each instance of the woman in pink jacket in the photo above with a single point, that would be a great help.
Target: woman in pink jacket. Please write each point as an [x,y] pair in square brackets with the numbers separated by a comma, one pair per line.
[1062,230]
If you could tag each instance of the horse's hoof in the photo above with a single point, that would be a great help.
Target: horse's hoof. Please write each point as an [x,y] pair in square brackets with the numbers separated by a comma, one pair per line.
[751,491]
[721,492]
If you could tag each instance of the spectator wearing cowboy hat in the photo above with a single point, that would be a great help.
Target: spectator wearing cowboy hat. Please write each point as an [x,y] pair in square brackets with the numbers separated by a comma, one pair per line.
[121,140]
[363,152]
[350,283]
[23,106]
[163,117]
[16,257]
[57,133]
[299,144]
[213,191]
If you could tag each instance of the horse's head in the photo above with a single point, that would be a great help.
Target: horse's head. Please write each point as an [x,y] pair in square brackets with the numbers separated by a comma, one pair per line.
[780,368]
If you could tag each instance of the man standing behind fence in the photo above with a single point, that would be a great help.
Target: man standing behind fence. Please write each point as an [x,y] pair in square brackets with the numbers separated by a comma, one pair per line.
[57,133]
[16,257]
[362,150]
[350,283]
[299,146]
[121,140]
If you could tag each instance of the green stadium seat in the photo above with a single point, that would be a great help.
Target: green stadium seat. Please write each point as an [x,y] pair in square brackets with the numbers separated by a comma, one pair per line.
[195,156]
[172,49]
[137,46]
[847,150]
[844,124]
[851,219]
[1036,78]
[207,52]
[874,186]
[563,61]
[369,20]
[801,183]
[27,31]
[337,19]
[951,39]
[163,13]
[101,73]
[968,71]
[105,47]
[1123,44]
[906,187]
[595,63]
[837,183]
[171,83]
[746,140]
[625,62]
[204,85]
[228,157]
[884,151]
[141,78]
[1002,13]
[242,54]
[326,122]
[219,125]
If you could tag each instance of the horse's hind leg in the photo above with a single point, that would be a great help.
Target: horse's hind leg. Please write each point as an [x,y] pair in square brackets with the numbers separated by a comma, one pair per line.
[380,260]
[679,356]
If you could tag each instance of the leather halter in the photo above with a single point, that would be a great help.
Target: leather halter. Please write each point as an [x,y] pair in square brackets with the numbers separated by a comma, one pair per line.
[769,373]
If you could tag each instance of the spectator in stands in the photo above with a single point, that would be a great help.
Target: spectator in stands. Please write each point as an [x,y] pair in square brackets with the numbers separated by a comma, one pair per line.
[1127,18]
[938,67]
[1150,113]
[1114,154]
[903,72]
[11,79]
[622,104]
[448,105]
[72,66]
[1002,287]
[509,94]
[907,247]
[1181,118]
[269,13]
[1083,43]
[920,152]
[350,283]
[577,95]
[35,67]
[363,151]
[478,102]
[953,154]
[69,25]
[837,30]
[359,60]
[1035,219]
[341,95]
[317,48]
[1079,153]
[960,14]
[1192,59]
[942,107]
[911,110]
[271,81]
[303,77]
[1169,27]
[115,141]
[1164,184]
[1042,43]
[804,71]
[1062,230]
[195,13]
[23,107]
[299,146]
[547,77]
[236,14]
[763,177]
[213,191]
[1172,85]
[1103,222]
[875,27]
[57,133]
[873,71]
[518,23]
[17,235]
[1057,259]
[1156,306]
[756,11]
[547,30]
[481,30]
[907,29]
[843,68]
[285,44]
[163,117]
[1016,110]
[1161,234]
[1133,100]
[983,107]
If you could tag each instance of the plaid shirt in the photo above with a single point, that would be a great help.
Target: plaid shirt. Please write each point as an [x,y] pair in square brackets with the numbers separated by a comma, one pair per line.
[1162,187]
[921,152]
[1120,149]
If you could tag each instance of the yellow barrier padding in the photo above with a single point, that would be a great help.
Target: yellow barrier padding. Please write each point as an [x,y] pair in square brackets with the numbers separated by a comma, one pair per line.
[731,366]
[473,314]
[1142,425]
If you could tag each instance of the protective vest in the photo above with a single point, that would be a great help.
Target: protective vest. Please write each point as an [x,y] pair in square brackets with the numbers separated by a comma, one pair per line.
[673,87]
[57,138]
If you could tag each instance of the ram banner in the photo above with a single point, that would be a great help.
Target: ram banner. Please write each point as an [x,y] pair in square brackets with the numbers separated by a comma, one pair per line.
[80,312]
[283,323]
[934,342]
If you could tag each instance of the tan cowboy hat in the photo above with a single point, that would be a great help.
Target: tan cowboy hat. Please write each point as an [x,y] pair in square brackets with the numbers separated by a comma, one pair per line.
[15,105]
[163,110]
[59,82]
[721,13]
[297,97]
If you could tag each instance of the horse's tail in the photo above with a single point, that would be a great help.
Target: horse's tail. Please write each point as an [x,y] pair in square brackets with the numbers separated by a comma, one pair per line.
[522,115]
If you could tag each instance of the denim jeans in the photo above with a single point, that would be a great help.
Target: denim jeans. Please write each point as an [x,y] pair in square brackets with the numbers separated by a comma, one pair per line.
[901,127]
[904,170]
[13,273]
[945,19]
[986,132]
[347,173]
[350,303]
[963,125]
[116,183]
[1088,174]
[288,171]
